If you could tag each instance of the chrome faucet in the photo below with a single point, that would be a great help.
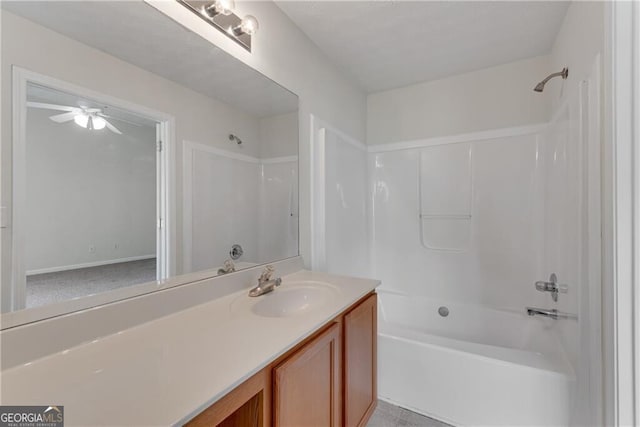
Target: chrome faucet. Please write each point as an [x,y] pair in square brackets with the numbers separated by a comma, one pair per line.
[228,267]
[265,283]
[551,313]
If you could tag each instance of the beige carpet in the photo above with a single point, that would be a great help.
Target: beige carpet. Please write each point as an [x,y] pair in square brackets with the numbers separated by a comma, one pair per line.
[47,288]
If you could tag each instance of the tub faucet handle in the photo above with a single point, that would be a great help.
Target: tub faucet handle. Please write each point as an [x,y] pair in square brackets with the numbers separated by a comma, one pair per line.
[552,286]
[543,286]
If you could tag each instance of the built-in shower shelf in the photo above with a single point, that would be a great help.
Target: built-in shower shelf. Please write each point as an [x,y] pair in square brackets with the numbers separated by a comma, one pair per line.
[446,194]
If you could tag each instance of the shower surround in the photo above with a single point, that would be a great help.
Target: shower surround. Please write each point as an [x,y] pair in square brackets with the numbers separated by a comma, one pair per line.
[459,229]
[460,224]
[469,223]
[238,199]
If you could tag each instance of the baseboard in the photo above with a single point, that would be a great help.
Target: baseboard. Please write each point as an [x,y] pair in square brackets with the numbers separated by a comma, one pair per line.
[88,264]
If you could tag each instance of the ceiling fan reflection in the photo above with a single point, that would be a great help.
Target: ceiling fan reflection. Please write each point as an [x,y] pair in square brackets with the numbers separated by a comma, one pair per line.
[88,118]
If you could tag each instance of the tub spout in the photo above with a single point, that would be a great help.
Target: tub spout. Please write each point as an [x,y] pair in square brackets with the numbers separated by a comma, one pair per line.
[551,313]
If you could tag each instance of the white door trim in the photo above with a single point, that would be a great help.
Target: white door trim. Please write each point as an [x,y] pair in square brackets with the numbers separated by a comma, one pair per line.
[16,294]
[622,263]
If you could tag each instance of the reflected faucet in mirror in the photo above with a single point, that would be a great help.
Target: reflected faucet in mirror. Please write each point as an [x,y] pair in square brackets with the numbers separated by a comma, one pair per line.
[228,267]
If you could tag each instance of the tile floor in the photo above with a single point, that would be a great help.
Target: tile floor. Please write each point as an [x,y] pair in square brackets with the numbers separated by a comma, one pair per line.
[388,415]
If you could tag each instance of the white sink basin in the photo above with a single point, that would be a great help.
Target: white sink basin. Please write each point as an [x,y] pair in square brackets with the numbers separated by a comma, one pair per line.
[292,298]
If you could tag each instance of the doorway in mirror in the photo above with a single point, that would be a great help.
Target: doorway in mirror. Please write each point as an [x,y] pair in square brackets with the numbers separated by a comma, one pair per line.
[91,173]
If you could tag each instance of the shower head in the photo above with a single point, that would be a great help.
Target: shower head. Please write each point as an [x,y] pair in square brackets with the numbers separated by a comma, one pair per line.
[564,74]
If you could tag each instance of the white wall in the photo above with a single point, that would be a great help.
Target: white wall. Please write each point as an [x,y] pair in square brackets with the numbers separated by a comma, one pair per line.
[580,39]
[490,98]
[279,135]
[88,189]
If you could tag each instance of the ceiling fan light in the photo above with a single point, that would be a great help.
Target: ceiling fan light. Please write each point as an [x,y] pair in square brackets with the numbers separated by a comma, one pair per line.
[81,120]
[98,122]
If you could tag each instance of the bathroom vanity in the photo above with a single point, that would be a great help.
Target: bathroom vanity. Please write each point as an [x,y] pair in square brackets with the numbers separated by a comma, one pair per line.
[206,353]
[328,379]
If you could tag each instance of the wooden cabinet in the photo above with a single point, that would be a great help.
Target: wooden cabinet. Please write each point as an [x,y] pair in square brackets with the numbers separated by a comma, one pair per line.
[360,362]
[248,405]
[328,380]
[307,386]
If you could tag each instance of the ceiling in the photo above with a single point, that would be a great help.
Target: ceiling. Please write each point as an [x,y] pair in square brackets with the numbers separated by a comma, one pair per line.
[139,34]
[389,44]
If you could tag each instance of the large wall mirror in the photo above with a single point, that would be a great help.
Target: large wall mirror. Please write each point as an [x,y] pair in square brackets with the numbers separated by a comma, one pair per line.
[135,156]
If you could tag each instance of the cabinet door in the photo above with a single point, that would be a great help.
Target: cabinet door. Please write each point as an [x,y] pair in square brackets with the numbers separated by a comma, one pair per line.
[308,386]
[360,359]
[248,405]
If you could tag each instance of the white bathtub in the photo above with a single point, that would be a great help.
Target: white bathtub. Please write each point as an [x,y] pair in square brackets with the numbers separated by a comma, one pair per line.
[475,367]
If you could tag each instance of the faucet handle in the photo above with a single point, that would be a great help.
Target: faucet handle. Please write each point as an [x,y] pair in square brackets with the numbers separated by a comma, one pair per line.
[544,286]
[552,286]
[266,274]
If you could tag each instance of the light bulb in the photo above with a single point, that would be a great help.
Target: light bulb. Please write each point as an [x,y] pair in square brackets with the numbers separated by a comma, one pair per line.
[249,25]
[81,120]
[98,122]
[221,7]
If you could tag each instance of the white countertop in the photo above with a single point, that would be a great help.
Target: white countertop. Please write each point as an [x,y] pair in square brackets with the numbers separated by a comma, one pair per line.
[168,370]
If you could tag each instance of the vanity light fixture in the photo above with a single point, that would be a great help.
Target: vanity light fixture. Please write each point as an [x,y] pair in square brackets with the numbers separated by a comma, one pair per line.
[224,7]
[248,25]
[219,14]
